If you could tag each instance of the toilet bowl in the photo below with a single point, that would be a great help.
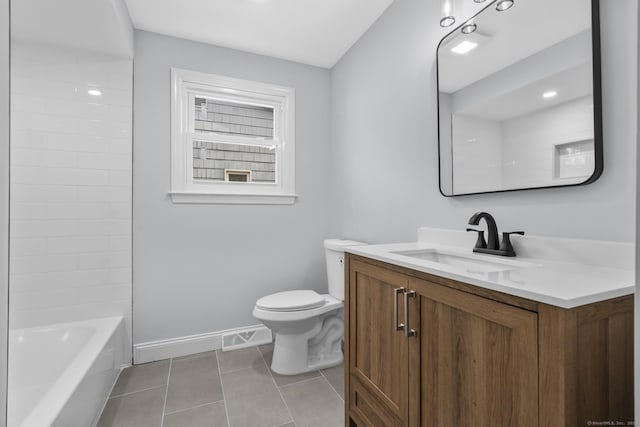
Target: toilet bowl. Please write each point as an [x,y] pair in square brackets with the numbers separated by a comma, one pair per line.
[308,327]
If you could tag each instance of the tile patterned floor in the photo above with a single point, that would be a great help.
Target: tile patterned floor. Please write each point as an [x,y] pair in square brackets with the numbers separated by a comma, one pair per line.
[232,389]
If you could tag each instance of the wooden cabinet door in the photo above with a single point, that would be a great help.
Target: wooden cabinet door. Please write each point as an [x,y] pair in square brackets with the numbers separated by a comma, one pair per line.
[377,352]
[474,361]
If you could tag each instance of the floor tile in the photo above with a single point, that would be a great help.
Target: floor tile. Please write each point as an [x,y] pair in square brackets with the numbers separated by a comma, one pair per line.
[267,352]
[282,380]
[314,403]
[142,409]
[141,377]
[192,382]
[211,415]
[191,356]
[335,376]
[239,359]
[253,399]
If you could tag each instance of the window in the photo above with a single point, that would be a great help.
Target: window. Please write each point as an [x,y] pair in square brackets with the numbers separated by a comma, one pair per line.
[232,141]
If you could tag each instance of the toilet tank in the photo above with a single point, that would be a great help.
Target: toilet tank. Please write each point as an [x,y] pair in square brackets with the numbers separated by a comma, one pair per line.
[334,254]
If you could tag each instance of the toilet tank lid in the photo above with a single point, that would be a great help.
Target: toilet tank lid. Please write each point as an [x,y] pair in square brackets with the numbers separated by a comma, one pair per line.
[291,301]
[339,244]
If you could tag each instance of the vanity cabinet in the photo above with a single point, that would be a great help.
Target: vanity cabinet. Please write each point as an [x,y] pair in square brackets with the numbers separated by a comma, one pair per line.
[422,350]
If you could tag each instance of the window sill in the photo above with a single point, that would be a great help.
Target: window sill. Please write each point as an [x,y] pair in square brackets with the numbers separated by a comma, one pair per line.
[232,199]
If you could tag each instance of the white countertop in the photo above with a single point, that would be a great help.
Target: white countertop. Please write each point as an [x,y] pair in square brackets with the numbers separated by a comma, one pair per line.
[562,283]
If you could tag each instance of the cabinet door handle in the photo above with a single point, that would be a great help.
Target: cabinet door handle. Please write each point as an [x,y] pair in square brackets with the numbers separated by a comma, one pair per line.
[397,326]
[408,332]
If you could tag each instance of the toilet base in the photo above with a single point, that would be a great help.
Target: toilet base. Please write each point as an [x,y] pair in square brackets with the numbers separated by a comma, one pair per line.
[286,367]
[328,362]
[318,348]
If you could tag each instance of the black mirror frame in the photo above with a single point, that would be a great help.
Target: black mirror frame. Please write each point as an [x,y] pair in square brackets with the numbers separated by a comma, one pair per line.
[597,106]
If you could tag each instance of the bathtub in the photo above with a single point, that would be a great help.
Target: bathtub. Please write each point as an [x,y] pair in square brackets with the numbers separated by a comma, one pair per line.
[61,375]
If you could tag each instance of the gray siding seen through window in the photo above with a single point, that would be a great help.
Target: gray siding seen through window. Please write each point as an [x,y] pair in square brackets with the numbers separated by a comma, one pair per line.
[233,119]
[212,159]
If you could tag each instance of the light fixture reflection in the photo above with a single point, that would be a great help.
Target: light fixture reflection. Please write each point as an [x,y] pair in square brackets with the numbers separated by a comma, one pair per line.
[94,92]
[549,94]
[479,1]
[468,28]
[504,5]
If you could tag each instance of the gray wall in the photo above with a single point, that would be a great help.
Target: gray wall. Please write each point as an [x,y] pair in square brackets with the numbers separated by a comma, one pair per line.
[4,203]
[384,113]
[637,295]
[200,268]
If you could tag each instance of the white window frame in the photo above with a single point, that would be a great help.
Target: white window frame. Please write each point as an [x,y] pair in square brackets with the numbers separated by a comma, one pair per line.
[185,85]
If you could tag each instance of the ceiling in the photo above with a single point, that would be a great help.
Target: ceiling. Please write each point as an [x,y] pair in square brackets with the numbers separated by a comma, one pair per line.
[104,25]
[314,32]
[571,84]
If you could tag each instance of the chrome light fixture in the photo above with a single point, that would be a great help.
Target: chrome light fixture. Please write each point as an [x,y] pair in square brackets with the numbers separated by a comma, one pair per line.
[447,21]
[504,5]
[448,18]
[448,15]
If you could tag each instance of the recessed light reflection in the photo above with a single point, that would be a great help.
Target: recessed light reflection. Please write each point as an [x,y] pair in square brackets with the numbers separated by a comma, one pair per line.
[549,94]
[94,92]
[464,47]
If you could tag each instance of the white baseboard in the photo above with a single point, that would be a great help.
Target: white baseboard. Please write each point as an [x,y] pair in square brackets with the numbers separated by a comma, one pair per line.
[181,346]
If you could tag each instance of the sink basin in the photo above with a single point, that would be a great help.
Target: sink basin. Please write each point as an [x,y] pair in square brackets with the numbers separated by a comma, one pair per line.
[467,262]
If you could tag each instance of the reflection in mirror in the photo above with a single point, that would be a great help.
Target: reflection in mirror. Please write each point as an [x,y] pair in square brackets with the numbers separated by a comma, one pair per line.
[519,102]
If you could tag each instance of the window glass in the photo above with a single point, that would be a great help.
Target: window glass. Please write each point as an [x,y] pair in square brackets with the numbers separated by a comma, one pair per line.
[215,161]
[229,118]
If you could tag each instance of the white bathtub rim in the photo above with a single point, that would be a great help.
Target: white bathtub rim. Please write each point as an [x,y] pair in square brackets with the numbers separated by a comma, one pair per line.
[60,392]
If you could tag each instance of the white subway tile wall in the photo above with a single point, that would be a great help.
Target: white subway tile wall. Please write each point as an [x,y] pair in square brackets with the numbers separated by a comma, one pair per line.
[70,186]
[519,152]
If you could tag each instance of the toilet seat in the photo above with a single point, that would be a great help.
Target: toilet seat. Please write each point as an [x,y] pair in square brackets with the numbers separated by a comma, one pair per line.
[328,304]
[291,301]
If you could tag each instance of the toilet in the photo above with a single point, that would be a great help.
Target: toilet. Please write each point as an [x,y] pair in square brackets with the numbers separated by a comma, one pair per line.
[308,327]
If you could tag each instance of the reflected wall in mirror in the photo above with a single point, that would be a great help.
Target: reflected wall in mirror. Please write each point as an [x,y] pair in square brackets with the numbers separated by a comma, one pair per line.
[519,98]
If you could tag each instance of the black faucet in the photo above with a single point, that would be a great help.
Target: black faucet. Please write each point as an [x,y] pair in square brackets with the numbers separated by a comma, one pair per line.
[491,245]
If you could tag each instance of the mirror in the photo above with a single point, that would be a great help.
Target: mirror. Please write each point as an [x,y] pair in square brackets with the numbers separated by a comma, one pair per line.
[519,102]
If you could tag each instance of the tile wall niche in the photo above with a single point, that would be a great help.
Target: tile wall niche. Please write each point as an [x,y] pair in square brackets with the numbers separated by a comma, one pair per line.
[70,186]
